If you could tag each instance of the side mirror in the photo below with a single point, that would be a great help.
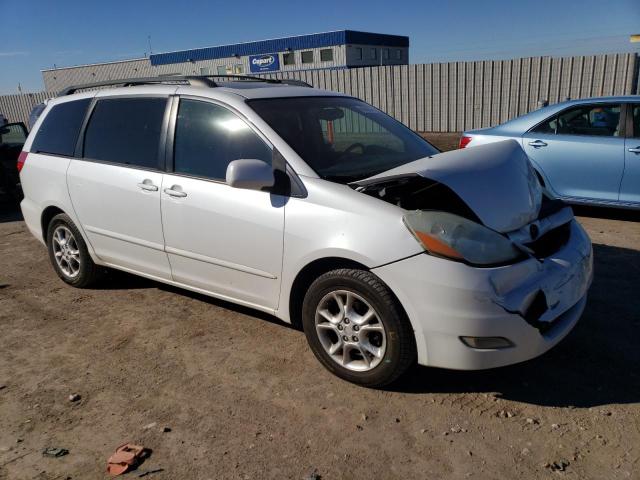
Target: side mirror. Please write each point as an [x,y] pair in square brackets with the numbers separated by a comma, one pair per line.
[250,174]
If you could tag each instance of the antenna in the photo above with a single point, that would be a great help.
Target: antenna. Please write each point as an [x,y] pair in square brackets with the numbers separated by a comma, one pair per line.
[149,40]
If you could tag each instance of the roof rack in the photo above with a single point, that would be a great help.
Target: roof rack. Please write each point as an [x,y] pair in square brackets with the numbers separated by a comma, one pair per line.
[192,80]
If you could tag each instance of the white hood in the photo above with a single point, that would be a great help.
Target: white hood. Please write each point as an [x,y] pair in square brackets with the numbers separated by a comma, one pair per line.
[495,180]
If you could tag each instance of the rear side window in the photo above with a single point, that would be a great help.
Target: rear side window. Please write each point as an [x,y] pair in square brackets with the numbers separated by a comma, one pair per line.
[59,130]
[600,120]
[126,130]
[209,137]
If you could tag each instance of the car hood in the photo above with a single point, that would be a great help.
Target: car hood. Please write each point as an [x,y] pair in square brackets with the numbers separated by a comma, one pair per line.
[495,180]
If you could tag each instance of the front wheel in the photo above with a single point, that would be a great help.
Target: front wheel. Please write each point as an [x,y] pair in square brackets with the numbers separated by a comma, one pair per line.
[357,329]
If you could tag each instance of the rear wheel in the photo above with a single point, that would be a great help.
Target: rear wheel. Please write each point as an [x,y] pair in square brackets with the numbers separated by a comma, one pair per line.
[357,329]
[69,255]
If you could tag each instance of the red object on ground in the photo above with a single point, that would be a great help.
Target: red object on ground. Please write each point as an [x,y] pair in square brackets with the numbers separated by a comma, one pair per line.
[126,458]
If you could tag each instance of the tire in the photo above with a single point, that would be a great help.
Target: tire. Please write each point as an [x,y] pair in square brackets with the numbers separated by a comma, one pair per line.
[387,332]
[81,274]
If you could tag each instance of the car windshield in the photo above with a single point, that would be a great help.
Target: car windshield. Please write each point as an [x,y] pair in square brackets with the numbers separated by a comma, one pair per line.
[341,138]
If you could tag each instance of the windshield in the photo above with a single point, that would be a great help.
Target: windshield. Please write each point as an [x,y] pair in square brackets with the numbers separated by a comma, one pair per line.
[343,139]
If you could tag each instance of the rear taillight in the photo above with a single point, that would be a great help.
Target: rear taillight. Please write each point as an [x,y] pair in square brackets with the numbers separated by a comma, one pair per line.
[464,141]
[21,159]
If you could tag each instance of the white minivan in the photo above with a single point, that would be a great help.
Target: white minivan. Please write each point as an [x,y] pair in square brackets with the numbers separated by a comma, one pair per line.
[315,207]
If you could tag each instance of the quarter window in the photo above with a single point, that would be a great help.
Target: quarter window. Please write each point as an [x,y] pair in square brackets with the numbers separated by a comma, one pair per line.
[126,130]
[549,126]
[59,130]
[326,55]
[307,57]
[209,137]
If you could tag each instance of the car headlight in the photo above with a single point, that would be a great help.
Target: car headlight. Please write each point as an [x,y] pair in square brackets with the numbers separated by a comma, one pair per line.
[450,236]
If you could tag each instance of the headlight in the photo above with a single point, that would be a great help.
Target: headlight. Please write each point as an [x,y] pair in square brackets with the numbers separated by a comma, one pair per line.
[450,236]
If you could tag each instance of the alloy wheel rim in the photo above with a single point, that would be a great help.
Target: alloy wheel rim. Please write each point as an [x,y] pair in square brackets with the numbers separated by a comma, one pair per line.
[350,331]
[66,251]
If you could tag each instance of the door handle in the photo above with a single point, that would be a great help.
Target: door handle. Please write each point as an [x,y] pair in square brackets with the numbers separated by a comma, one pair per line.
[148,185]
[537,144]
[175,191]
[635,150]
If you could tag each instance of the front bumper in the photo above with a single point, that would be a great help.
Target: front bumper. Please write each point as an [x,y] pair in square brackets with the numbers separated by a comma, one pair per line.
[446,300]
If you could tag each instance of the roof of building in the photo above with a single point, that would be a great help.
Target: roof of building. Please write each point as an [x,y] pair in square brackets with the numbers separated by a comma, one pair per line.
[300,42]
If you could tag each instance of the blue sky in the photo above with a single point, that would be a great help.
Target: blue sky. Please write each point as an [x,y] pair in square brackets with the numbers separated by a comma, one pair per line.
[39,34]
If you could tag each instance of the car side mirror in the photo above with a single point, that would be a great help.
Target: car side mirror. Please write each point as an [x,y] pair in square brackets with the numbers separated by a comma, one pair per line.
[250,174]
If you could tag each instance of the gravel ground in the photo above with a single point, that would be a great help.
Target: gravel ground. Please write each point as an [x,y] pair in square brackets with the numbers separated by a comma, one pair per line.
[244,398]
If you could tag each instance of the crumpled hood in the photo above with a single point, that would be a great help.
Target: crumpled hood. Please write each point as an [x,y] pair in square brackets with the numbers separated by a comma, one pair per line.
[495,180]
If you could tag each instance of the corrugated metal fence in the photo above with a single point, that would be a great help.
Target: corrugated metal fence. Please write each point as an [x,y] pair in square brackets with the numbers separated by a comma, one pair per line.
[456,96]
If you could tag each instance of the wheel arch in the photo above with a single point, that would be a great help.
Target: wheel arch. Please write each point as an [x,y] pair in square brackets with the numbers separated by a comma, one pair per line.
[46,217]
[306,277]
[312,270]
[51,211]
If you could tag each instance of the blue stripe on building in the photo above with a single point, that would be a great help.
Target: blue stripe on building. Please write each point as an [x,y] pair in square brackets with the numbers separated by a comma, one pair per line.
[302,42]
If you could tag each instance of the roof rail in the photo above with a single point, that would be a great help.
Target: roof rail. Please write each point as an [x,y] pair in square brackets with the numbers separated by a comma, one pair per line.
[283,81]
[127,82]
[192,80]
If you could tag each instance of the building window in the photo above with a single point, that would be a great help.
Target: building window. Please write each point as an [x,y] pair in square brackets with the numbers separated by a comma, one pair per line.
[326,55]
[239,68]
[288,58]
[358,53]
[385,54]
[372,53]
[205,71]
[307,57]
[222,70]
[398,54]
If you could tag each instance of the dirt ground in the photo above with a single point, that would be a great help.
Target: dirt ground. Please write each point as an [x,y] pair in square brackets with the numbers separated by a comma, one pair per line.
[244,398]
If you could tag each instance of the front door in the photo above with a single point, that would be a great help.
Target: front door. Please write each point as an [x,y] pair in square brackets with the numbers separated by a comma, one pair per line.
[115,188]
[224,240]
[630,185]
[580,151]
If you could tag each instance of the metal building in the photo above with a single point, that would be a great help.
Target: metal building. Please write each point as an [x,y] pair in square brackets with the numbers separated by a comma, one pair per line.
[330,50]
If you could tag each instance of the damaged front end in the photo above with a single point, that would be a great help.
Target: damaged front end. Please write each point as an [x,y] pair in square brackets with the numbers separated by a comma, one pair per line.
[485,207]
